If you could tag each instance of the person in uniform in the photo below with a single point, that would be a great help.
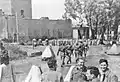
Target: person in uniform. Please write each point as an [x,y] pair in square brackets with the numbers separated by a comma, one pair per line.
[69,53]
[34,43]
[86,47]
[52,75]
[106,75]
[40,41]
[92,74]
[78,69]
[76,50]
[63,54]
[46,41]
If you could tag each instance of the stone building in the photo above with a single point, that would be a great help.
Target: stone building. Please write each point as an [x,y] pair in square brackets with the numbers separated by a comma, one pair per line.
[25,26]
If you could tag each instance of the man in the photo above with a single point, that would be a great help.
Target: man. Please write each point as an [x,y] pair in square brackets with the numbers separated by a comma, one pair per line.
[105,73]
[62,49]
[77,50]
[52,75]
[69,53]
[3,51]
[92,74]
[78,69]
[34,43]
[40,41]
[46,41]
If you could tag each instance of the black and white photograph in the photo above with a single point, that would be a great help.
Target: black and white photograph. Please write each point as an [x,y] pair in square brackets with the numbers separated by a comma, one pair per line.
[59,40]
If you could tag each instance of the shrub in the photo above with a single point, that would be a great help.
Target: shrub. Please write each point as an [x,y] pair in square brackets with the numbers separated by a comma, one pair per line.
[15,52]
[7,40]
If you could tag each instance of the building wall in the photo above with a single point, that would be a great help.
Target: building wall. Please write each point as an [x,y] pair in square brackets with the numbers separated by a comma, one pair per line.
[35,28]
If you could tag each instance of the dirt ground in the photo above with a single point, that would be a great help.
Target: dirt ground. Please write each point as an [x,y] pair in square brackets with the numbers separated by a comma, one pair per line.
[22,67]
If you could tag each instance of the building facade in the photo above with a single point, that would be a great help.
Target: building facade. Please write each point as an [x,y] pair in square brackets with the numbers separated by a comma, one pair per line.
[27,28]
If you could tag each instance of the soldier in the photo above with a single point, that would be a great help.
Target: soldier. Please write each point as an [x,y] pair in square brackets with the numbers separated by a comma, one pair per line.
[69,53]
[78,50]
[47,42]
[52,75]
[76,46]
[34,43]
[64,48]
[78,69]
[40,42]
[86,47]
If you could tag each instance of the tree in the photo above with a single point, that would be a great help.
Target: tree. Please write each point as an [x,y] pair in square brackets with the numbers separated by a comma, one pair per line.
[101,15]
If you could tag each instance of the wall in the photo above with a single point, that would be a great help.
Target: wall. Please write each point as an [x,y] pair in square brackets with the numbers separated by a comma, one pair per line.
[36,28]
[49,28]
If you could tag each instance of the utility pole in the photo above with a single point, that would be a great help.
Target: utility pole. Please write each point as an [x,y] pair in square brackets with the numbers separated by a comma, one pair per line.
[17,28]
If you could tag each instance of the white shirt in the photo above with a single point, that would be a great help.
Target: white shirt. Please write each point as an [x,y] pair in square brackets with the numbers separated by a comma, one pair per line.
[34,75]
[1,68]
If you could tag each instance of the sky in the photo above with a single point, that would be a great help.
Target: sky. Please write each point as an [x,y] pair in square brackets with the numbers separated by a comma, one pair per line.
[54,9]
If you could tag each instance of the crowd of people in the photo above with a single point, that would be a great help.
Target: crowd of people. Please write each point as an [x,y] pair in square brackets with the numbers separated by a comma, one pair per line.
[82,73]
[79,73]
[79,49]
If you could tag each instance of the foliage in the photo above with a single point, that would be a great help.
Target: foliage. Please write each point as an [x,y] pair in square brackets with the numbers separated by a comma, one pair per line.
[7,40]
[15,52]
[101,15]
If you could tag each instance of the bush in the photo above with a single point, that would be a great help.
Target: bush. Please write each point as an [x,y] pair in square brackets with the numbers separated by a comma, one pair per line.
[7,40]
[15,52]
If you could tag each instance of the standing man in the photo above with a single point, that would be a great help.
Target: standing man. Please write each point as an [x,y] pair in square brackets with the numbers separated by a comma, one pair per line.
[34,43]
[92,74]
[3,51]
[52,75]
[69,53]
[78,69]
[40,41]
[106,75]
